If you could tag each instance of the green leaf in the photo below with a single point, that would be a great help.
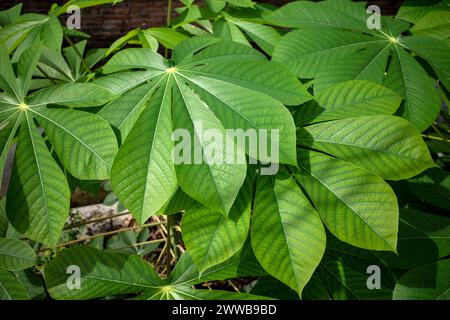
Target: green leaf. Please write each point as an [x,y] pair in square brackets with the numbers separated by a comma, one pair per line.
[229,32]
[435,52]
[287,235]
[300,14]
[169,38]
[33,283]
[269,78]
[120,83]
[134,58]
[187,293]
[11,288]
[427,282]
[264,36]
[15,255]
[344,274]
[271,287]
[27,65]
[433,24]
[215,5]
[77,95]
[433,187]
[240,108]
[422,238]
[369,64]
[101,274]
[306,51]
[211,238]
[10,15]
[385,145]
[143,174]
[8,126]
[356,98]
[407,77]
[180,201]
[116,45]
[122,113]
[148,41]
[38,197]
[13,34]
[8,81]
[356,206]
[52,33]
[58,10]
[242,264]
[218,100]
[4,223]
[414,10]
[84,142]
[221,180]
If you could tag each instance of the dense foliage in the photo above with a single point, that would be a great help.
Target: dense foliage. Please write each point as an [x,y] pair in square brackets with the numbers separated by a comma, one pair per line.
[364,151]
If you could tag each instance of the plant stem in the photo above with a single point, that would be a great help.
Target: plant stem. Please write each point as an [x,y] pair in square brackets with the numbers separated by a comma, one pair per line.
[85,65]
[168,245]
[435,138]
[82,223]
[143,243]
[168,20]
[98,235]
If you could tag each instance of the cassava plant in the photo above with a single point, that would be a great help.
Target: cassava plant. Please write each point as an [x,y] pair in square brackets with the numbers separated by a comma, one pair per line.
[351,131]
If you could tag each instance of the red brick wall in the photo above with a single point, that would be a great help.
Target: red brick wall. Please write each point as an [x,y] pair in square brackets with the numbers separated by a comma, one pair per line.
[107,23]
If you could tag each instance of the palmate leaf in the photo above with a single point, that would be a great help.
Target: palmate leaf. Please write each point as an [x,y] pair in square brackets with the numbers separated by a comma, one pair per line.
[16,255]
[385,145]
[38,197]
[427,282]
[330,54]
[287,230]
[212,238]
[104,274]
[197,94]
[356,206]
